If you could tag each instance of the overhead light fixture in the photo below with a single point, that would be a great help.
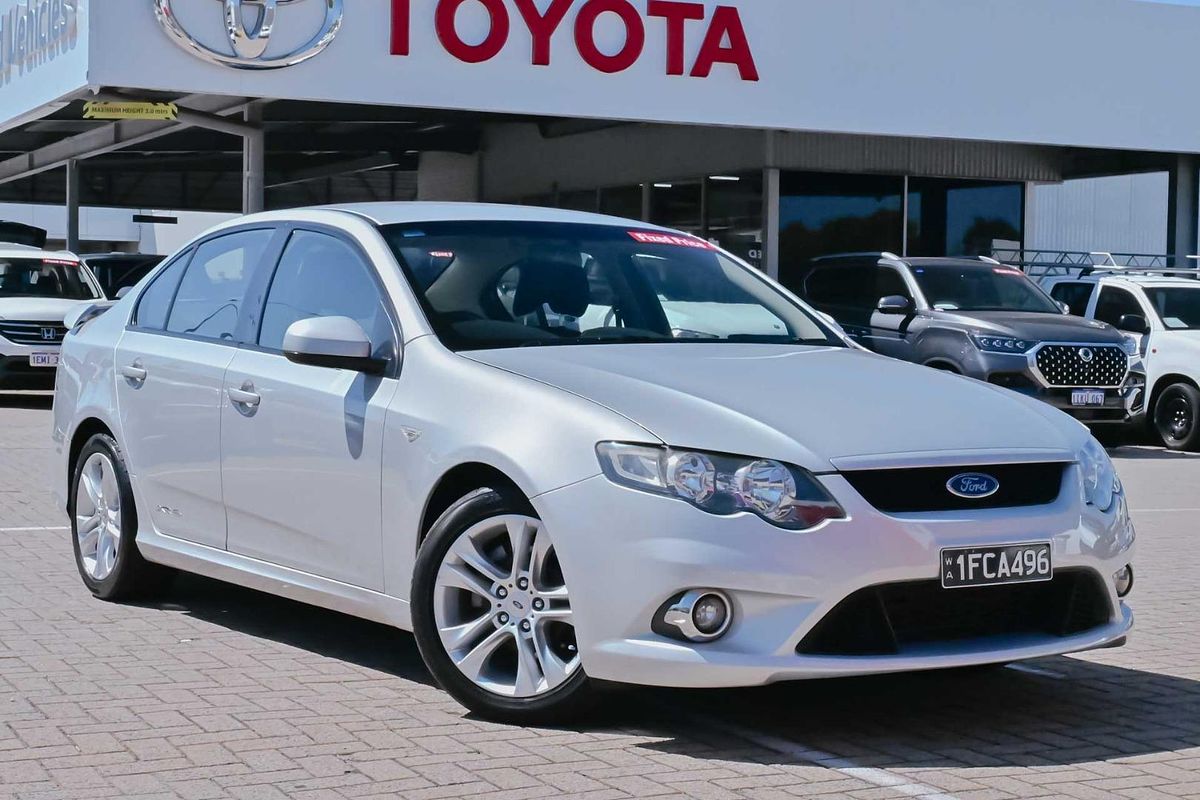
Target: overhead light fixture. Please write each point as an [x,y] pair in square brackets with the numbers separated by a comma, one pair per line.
[664,186]
[731,178]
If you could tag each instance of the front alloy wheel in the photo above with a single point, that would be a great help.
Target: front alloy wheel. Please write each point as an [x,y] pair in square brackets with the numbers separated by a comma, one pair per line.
[492,612]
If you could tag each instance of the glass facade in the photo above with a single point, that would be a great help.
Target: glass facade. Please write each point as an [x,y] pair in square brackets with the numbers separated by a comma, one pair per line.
[822,214]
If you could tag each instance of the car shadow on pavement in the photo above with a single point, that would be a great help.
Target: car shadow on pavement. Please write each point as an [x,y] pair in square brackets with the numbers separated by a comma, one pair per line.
[317,630]
[33,402]
[1049,712]
[1149,453]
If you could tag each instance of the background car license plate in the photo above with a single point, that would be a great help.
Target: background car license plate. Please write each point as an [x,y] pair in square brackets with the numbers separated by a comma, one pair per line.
[1087,397]
[43,360]
[987,566]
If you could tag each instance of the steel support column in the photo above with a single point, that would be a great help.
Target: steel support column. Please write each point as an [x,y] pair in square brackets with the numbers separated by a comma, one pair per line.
[254,167]
[770,229]
[73,206]
[1183,209]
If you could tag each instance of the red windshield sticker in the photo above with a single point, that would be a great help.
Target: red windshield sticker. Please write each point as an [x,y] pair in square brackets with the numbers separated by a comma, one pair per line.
[649,237]
[441,254]
[64,262]
[1002,271]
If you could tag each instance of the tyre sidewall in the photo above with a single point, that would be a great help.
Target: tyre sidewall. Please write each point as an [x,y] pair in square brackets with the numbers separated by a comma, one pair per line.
[117,581]
[1192,396]
[564,702]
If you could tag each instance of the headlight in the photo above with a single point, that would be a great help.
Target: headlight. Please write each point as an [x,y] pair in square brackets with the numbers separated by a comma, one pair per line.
[1129,345]
[1002,344]
[784,495]
[1100,482]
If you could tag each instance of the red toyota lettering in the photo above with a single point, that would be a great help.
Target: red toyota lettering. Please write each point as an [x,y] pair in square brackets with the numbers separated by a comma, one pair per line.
[676,14]
[726,24]
[585,35]
[493,43]
[542,26]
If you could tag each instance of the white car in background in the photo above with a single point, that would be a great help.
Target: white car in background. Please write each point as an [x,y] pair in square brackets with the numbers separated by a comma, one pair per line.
[38,290]
[392,410]
[1165,306]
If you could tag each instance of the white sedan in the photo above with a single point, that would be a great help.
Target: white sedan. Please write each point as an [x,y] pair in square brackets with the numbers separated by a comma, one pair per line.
[394,411]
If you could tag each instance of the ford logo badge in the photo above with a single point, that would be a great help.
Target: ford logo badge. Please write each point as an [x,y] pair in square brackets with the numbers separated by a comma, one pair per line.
[973,485]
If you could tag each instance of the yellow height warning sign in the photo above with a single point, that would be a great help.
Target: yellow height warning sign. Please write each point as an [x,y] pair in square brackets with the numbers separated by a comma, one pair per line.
[165,112]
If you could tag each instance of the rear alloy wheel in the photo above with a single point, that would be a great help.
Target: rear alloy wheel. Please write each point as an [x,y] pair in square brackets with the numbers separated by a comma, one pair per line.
[104,524]
[492,613]
[1177,417]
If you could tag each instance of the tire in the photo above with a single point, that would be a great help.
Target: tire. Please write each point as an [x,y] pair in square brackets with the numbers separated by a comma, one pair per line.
[474,640]
[1176,417]
[106,554]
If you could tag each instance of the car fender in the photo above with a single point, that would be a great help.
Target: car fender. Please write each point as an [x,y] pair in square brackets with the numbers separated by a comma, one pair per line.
[938,343]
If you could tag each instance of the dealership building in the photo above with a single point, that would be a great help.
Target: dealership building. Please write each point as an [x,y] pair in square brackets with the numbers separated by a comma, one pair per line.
[781,129]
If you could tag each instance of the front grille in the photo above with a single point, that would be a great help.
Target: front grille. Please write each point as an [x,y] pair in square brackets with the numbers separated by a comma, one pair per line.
[898,491]
[34,333]
[1068,365]
[883,620]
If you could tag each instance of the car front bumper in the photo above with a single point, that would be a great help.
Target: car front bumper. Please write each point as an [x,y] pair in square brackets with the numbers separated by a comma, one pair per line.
[1123,405]
[625,553]
[17,375]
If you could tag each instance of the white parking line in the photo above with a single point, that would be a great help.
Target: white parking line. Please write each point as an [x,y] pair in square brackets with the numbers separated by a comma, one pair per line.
[1160,510]
[22,530]
[873,775]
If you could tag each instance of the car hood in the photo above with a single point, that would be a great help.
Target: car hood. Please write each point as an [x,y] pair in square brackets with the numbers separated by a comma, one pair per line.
[819,407]
[1034,326]
[38,309]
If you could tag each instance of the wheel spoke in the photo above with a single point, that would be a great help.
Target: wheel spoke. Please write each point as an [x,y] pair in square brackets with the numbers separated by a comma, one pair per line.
[91,487]
[529,670]
[562,615]
[468,552]
[556,593]
[89,536]
[456,637]
[521,534]
[108,485]
[474,662]
[460,577]
[552,667]
[539,555]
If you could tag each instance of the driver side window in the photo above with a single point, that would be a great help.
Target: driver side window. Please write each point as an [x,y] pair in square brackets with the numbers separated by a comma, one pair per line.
[1115,303]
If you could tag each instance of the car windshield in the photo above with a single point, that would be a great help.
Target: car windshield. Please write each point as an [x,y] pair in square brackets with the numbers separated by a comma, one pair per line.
[981,287]
[43,277]
[515,284]
[1177,306]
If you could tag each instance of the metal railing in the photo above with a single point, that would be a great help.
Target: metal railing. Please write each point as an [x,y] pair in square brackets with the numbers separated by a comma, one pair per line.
[1048,263]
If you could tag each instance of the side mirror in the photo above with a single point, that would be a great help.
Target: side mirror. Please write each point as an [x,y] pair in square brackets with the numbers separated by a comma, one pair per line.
[1066,309]
[894,304]
[1133,323]
[335,342]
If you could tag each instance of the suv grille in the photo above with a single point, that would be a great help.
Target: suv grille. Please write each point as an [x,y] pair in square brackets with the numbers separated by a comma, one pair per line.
[898,491]
[33,333]
[1069,365]
[882,620]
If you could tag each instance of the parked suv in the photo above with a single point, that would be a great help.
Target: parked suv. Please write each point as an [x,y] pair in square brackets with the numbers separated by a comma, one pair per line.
[38,289]
[980,318]
[1162,309]
[118,271]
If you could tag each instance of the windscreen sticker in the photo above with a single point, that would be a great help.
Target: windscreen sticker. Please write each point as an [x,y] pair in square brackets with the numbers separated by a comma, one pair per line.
[649,237]
[1005,271]
[441,254]
[62,261]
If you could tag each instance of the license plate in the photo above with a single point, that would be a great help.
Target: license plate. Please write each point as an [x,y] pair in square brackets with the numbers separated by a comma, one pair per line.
[1087,397]
[988,566]
[43,360]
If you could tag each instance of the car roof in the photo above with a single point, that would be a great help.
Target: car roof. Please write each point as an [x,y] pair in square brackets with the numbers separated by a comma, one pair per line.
[392,213]
[1129,280]
[11,250]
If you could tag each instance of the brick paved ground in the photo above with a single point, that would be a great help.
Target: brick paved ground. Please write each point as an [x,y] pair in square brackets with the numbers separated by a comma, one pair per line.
[225,693]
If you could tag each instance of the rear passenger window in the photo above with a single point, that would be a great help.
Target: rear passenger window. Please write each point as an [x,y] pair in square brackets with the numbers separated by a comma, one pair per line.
[155,303]
[1075,295]
[210,296]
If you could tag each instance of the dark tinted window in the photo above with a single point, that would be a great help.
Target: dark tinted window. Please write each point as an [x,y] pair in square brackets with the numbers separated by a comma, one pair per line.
[853,286]
[980,287]
[1178,307]
[155,302]
[322,276]
[210,297]
[43,277]
[117,272]
[1114,303]
[1076,295]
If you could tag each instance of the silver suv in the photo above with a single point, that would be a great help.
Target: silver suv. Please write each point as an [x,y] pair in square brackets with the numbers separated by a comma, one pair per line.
[986,320]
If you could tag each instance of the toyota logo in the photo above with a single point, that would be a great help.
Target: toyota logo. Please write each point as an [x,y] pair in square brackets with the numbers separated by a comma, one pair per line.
[247,47]
[1086,355]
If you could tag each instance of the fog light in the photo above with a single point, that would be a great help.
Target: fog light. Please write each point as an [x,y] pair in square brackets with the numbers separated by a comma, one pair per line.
[1123,579]
[699,615]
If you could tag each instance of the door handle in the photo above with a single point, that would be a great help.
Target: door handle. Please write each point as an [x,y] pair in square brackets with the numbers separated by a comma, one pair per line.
[245,396]
[135,372]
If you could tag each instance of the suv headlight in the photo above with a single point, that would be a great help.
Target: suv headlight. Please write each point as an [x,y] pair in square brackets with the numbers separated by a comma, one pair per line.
[1002,344]
[782,494]
[1129,345]
[1100,482]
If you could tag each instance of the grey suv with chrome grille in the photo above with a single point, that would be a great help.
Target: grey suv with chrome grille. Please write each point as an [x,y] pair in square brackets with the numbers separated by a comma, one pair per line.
[983,319]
